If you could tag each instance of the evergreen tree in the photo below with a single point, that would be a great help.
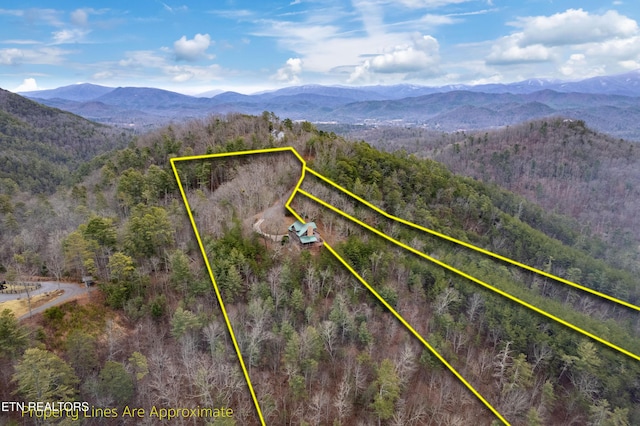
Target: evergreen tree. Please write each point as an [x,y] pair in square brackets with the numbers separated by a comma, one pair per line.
[387,387]
[43,376]
[13,337]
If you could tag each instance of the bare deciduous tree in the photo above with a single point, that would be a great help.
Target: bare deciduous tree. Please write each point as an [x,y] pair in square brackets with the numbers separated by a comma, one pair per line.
[341,399]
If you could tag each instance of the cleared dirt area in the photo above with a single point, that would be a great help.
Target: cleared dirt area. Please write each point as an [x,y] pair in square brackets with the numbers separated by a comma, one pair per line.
[272,222]
[275,221]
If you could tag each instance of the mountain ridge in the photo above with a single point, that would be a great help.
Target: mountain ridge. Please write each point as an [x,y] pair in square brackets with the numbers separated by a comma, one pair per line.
[610,104]
[42,145]
[74,92]
[626,84]
[560,164]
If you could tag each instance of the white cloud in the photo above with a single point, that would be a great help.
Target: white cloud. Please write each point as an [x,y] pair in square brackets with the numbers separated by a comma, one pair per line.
[421,57]
[290,73]
[10,56]
[619,48]
[42,56]
[409,58]
[323,48]
[576,62]
[171,9]
[630,64]
[103,75]
[331,46]
[79,17]
[509,50]
[28,85]
[146,63]
[20,41]
[360,73]
[431,20]
[371,16]
[183,73]
[12,12]
[604,57]
[578,43]
[142,59]
[49,16]
[429,4]
[194,49]
[297,34]
[75,35]
[574,26]
[239,14]
[492,79]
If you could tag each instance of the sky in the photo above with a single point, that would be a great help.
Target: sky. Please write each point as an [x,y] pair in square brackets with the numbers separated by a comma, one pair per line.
[193,47]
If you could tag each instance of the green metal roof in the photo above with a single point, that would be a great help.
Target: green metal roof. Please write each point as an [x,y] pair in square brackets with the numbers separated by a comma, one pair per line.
[296,226]
[305,239]
[301,229]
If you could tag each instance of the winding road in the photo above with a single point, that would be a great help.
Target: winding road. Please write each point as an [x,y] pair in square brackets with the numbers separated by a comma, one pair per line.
[71,291]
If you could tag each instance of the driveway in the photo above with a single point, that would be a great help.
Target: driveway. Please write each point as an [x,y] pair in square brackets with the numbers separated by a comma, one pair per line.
[273,237]
[71,291]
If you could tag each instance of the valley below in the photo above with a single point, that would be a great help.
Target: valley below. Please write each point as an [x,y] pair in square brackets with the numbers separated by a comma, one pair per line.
[204,297]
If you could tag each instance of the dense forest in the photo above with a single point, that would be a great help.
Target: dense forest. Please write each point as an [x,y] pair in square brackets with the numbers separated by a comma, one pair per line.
[43,147]
[319,347]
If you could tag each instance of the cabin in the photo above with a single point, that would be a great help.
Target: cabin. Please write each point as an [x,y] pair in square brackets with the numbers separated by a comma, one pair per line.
[306,234]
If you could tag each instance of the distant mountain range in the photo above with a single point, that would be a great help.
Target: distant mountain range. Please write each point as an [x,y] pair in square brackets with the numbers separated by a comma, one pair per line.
[610,104]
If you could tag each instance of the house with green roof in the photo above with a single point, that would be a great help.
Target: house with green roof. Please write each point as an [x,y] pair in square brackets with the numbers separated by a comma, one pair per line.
[305,233]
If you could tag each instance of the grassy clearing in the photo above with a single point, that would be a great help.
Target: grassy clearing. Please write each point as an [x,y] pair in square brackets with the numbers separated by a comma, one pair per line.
[20,306]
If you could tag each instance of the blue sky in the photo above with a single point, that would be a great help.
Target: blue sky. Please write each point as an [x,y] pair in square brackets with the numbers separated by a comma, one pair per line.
[247,46]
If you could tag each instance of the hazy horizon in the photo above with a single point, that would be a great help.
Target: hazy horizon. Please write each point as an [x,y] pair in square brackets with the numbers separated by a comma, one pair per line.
[193,47]
[244,91]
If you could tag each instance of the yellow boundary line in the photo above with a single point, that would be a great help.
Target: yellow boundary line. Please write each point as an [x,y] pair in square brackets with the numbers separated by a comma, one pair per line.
[472,247]
[472,278]
[404,322]
[204,253]
[297,189]
[332,251]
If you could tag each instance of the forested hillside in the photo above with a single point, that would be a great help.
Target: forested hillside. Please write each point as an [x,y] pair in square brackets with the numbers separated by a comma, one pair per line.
[560,165]
[42,147]
[318,347]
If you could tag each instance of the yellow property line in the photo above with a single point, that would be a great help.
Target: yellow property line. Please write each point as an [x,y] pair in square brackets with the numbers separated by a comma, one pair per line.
[204,254]
[249,152]
[215,287]
[472,247]
[403,321]
[396,314]
[238,153]
[469,277]
[297,216]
